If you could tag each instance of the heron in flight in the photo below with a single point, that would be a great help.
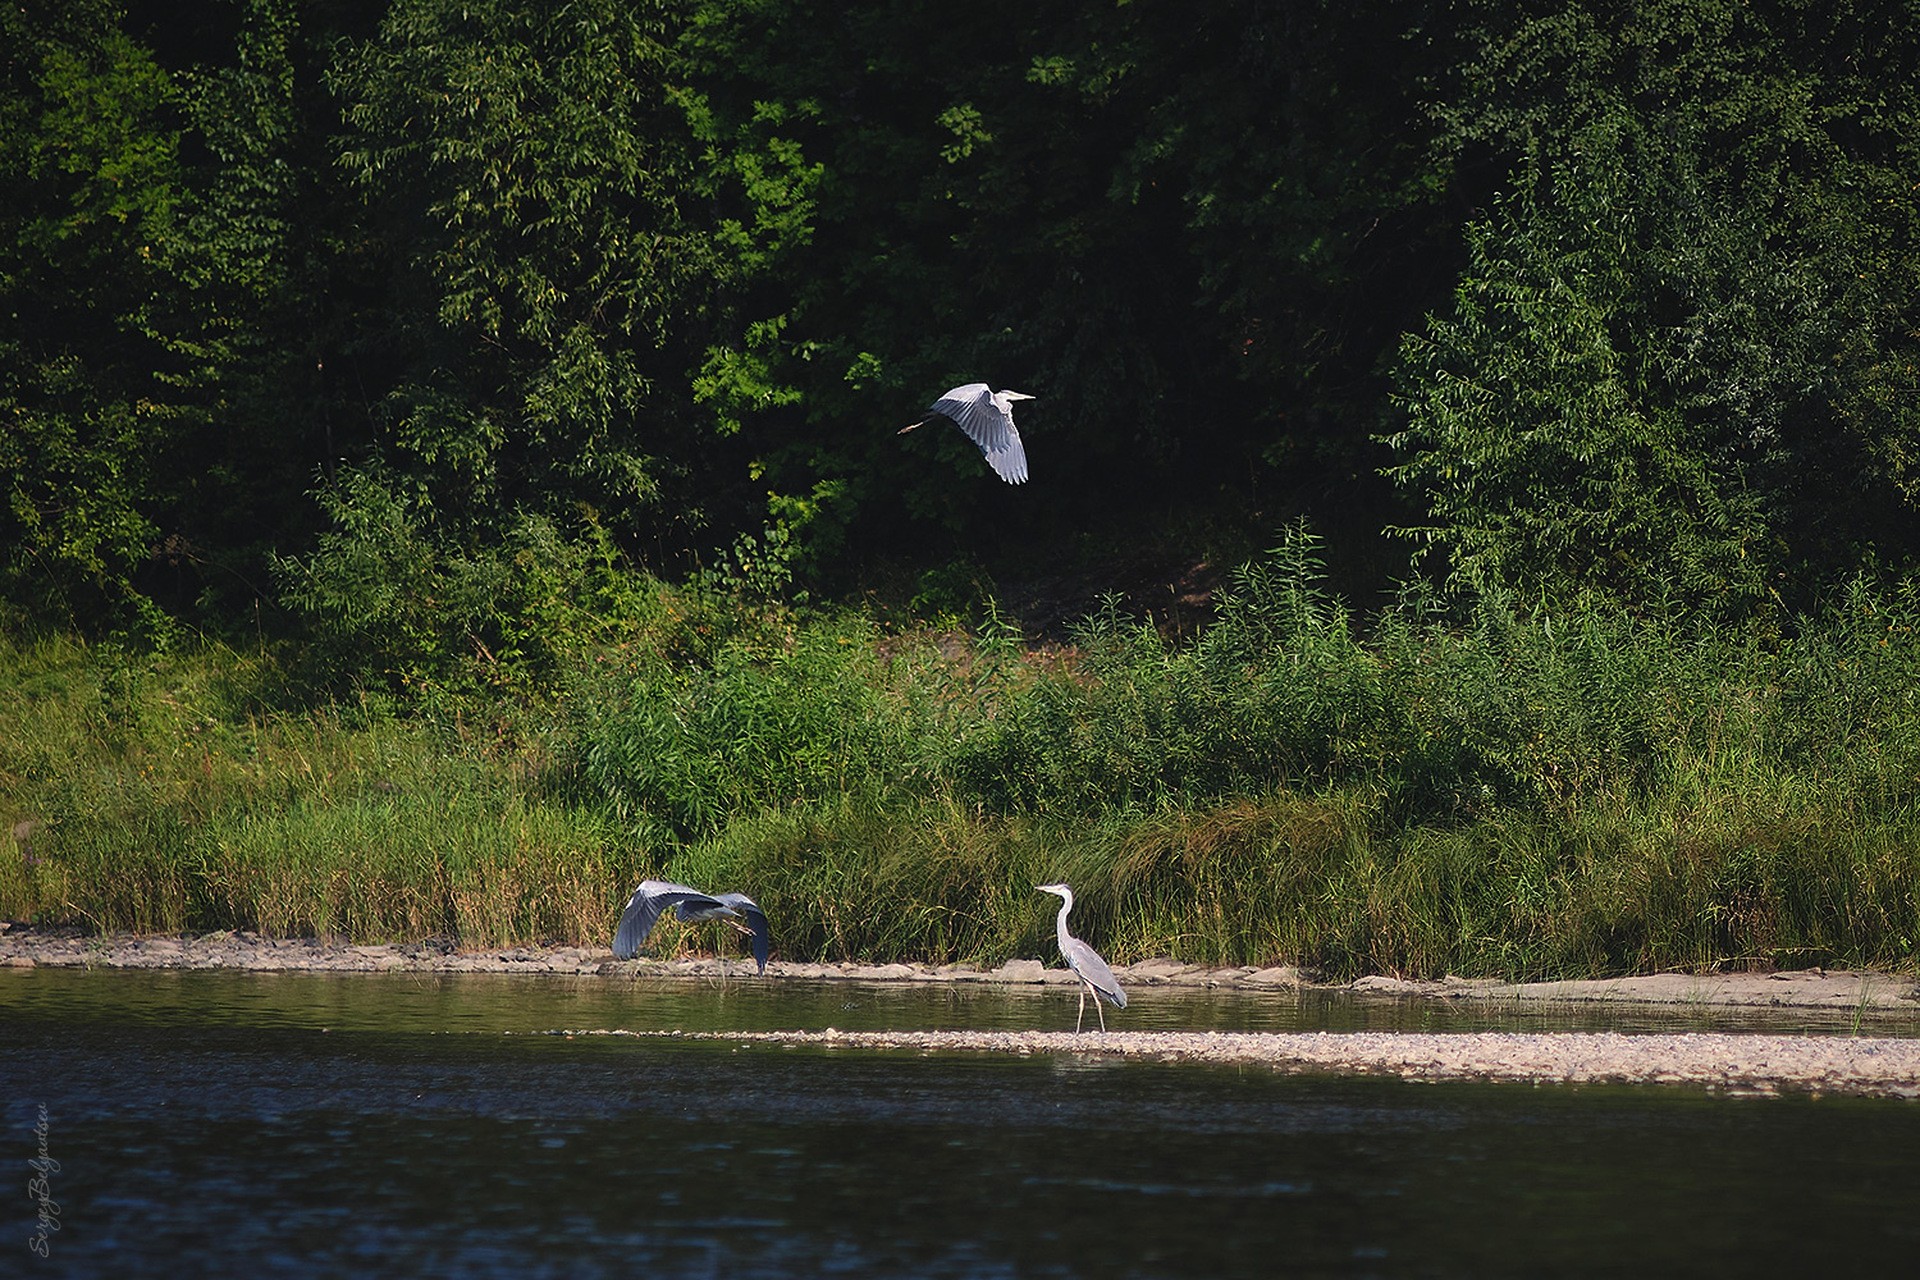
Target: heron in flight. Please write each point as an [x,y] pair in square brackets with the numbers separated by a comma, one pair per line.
[1085,962]
[986,416]
[691,906]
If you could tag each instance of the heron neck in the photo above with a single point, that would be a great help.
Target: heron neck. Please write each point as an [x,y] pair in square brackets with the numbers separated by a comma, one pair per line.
[1060,921]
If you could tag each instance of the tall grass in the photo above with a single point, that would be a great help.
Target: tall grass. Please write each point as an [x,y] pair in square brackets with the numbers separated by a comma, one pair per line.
[1316,881]
[1531,792]
[162,794]
[1528,792]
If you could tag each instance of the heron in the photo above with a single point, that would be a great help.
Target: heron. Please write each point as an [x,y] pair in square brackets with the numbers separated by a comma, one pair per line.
[986,416]
[1085,962]
[691,906]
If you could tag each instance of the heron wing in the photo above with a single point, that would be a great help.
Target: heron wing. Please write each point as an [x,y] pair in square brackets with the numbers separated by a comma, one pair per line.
[988,425]
[1086,962]
[756,925]
[644,908]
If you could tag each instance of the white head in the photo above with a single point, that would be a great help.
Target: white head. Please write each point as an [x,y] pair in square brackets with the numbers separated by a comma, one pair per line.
[1060,889]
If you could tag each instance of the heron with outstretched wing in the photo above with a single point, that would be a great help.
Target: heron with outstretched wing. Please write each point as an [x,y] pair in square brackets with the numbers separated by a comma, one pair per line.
[691,907]
[986,416]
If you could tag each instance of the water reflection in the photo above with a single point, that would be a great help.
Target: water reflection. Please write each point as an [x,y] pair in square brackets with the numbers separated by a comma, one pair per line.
[524,1003]
[351,1124]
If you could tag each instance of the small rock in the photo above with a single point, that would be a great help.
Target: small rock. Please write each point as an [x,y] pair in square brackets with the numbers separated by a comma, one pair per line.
[805,971]
[938,973]
[1021,971]
[1282,975]
[1156,969]
[880,972]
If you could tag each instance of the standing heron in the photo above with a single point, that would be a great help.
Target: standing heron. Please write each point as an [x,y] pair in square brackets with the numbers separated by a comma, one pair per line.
[986,416]
[1085,962]
[691,906]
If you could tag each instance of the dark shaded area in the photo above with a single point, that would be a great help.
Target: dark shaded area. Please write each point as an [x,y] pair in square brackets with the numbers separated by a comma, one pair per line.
[304,295]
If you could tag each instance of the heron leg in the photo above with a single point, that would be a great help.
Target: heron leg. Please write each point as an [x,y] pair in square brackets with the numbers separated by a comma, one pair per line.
[1097,1009]
[1082,1017]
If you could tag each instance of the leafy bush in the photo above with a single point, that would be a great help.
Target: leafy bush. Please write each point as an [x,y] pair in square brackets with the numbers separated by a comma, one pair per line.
[387,602]
[1532,793]
[1546,710]
[815,713]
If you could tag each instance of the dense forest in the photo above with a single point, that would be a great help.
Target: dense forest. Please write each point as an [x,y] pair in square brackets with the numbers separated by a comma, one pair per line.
[517,383]
[1590,297]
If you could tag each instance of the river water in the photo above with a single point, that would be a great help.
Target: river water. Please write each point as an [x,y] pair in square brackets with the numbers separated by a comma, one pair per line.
[351,1124]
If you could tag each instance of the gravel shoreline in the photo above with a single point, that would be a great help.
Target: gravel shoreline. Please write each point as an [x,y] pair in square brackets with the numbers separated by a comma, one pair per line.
[1737,1062]
[1740,1064]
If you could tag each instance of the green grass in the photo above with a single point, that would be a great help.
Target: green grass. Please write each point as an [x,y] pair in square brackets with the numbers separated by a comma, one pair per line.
[1533,795]
[163,795]
[1306,880]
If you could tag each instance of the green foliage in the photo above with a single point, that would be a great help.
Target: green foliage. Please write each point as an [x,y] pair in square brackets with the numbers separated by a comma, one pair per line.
[1320,882]
[1534,792]
[168,794]
[390,603]
[534,289]
[807,718]
[560,242]
[1159,222]
[627,266]
[1551,459]
[1666,370]
[154,426]
[1530,794]
[1537,709]
[853,882]
[89,358]
[1278,692]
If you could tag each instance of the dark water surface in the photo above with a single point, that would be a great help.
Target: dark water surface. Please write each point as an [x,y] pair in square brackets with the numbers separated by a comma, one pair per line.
[315,1124]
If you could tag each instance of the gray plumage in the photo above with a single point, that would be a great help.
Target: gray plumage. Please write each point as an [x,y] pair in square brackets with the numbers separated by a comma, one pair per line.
[1085,962]
[986,416]
[690,906]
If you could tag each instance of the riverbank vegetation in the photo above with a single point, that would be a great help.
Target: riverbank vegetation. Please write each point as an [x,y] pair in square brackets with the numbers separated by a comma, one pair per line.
[1526,794]
[447,472]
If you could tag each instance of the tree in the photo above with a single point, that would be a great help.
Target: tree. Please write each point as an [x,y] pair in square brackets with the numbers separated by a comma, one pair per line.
[1540,427]
[162,268]
[1681,357]
[1192,233]
[561,245]
[96,378]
